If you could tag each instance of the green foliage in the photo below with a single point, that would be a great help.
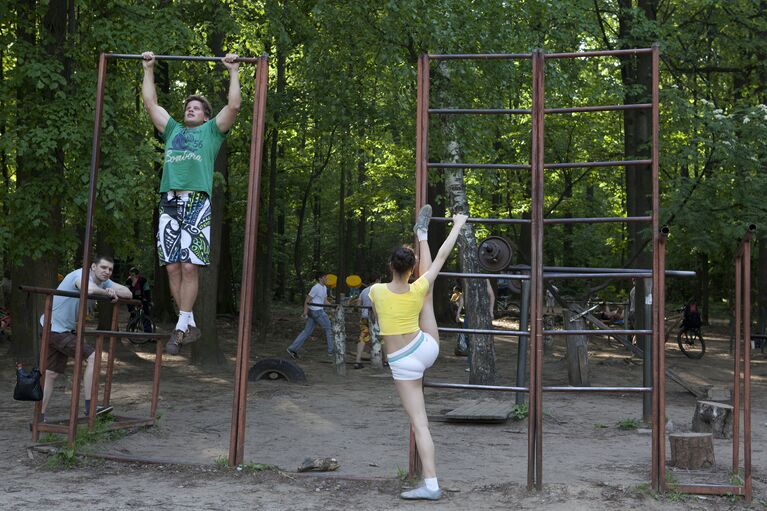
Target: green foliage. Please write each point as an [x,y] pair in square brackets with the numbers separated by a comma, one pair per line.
[629,424]
[67,457]
[519,411]
[342,108]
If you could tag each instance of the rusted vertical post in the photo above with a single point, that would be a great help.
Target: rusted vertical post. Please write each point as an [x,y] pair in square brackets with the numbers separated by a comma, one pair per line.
[421,191]
[94,397]
[658,467]
[736,364]
[658,417]
[535,417]
[43,362]
[747,482]
[111,357]
[156,381]
[87,239]
[237,434]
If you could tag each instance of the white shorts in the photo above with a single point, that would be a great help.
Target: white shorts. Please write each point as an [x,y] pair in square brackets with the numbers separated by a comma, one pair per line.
[410,362]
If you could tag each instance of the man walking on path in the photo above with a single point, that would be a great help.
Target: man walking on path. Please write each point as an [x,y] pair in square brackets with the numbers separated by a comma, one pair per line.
[183,236]
[314,315]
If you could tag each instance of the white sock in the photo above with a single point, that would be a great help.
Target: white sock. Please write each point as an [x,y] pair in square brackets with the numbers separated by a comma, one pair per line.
[183,320]
[191,319]
[423,235]
[431,483]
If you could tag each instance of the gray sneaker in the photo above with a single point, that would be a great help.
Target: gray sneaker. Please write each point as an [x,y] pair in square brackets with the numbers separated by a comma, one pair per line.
[422,220]
[421,493]
[175,342]
[192,334]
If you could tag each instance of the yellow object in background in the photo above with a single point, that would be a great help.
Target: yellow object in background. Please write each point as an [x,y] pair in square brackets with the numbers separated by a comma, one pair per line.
[353,281]
[331,280]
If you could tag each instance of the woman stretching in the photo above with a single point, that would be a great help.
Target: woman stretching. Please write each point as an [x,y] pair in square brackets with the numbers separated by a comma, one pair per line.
[406,317]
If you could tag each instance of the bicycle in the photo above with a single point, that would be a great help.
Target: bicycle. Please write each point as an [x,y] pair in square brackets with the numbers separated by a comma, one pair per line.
[139,321]
[686,322]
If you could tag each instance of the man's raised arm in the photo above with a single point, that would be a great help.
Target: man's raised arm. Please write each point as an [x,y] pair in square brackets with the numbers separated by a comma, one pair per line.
[157,113]
[227,115]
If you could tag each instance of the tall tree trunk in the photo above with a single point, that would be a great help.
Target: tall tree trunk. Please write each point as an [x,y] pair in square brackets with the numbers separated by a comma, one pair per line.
[40,270]
[206,351]
[476,300]
[637,125]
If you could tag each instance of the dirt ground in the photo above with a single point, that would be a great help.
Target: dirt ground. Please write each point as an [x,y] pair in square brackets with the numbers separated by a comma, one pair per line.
[589,463]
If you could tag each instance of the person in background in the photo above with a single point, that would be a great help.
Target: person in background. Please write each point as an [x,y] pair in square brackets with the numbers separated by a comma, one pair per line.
[314,315]
[139,287]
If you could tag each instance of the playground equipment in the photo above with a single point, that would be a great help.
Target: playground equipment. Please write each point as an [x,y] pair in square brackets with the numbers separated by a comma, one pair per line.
[248,275]
[654,384]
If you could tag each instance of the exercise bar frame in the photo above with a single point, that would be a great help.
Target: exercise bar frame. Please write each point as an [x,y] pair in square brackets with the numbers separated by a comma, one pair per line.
[536,273]
[237,436]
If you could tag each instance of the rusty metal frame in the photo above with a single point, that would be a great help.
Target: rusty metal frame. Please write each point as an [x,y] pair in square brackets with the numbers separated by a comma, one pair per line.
[67,426]
[741,362]
[248,277]
[537,273]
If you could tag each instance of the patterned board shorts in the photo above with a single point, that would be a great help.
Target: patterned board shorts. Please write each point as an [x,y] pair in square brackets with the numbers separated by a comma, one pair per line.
[183,235]
[364,330]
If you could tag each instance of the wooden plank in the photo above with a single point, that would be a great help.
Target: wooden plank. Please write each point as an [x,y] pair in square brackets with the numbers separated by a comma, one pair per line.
[482,411]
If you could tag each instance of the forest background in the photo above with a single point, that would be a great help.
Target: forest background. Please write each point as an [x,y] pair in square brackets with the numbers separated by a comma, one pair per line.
[338,186]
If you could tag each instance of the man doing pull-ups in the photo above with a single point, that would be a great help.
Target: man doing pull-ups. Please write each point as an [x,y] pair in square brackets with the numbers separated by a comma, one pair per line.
[183,235]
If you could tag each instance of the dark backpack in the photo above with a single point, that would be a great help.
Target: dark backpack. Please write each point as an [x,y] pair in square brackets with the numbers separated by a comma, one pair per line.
[691,317]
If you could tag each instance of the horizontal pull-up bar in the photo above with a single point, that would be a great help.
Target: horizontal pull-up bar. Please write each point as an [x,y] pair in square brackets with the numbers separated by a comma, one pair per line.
[445,165]
[606,333]
[126,335]
[597,275]
[487,220]
[597,220]
[524,111]
[582,164]
[598,53]
[522,56]
[503,388]
[480,56]
[521,333]
[132,56]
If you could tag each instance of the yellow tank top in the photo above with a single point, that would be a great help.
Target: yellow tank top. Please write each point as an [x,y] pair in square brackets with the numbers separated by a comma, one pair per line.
[398,312]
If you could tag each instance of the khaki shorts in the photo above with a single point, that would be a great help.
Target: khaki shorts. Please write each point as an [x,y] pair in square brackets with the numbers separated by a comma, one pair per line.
[61,346]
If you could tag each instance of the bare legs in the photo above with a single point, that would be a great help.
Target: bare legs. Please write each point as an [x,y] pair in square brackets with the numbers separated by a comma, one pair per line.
[427,321]
[50,379]
[411,395]
[183,280]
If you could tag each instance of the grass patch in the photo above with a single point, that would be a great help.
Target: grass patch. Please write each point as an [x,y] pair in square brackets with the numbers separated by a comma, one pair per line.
[250,468]
[67,456]
[222,462]
[599,425]
[519,412]
[628,424]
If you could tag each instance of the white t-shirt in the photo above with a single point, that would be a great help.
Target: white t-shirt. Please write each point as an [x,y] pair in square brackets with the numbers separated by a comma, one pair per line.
[318,294]
[365,301]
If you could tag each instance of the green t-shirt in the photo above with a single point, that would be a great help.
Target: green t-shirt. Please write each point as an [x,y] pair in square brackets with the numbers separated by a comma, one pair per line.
[189,156]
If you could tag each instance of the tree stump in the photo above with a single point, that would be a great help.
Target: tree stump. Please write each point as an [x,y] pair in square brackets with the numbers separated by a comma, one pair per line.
[339,336]
[712,417]
[577,353]
[376,357]
[692,450]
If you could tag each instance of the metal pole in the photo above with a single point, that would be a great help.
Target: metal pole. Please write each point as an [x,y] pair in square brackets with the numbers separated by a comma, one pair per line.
[237,435]
[522,344]
[43,362]
[535,417]
[87,239]
[747,369]
[736,365]
[111,357]
[134,56]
